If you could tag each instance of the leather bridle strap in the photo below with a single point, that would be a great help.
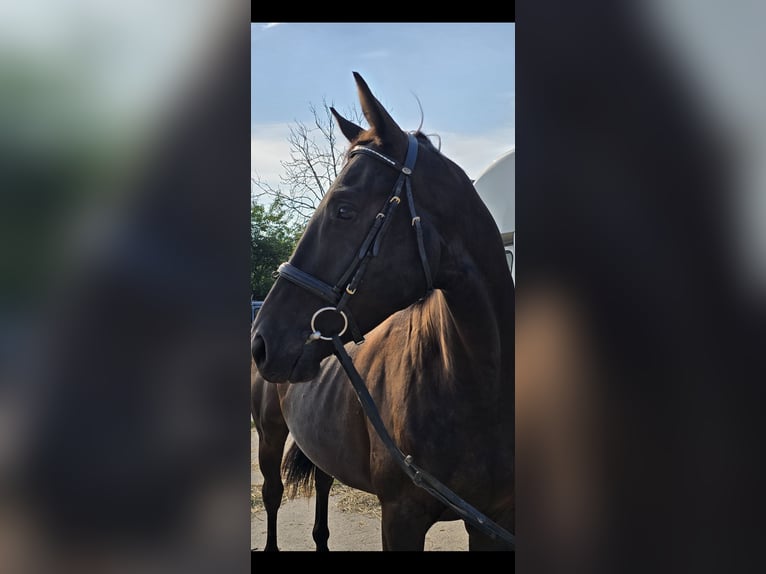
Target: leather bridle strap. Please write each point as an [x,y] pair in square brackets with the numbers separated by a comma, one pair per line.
[420,477]
[308,282]
[340,293]
[405,171]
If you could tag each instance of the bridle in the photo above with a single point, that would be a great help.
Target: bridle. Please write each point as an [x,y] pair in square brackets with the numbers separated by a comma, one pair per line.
[339,295]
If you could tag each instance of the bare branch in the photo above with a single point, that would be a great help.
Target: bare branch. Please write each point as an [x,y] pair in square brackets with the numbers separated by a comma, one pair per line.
[315,158]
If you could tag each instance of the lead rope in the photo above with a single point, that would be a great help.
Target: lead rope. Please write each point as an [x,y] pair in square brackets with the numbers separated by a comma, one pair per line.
[419,476]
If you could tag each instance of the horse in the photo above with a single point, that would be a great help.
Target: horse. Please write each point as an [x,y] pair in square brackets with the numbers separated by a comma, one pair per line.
[431,295]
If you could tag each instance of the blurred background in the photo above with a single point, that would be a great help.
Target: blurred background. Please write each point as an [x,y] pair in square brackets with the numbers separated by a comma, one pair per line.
[640,285]
[124,269]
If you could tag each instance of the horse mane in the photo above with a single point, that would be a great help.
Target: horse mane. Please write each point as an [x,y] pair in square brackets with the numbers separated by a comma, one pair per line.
[425,139]
[366,137]
[432,335]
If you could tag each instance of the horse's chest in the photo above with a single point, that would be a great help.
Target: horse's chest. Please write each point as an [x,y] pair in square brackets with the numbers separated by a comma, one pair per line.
[327,423]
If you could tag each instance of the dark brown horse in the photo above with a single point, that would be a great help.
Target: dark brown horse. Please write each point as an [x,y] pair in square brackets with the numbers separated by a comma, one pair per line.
[438,362]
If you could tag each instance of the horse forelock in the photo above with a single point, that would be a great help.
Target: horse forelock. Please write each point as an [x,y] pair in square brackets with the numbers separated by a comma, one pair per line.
[366,137]
[371,137]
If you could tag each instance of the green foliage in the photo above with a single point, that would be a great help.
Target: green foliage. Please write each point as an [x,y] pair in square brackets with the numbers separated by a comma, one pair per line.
[272,241]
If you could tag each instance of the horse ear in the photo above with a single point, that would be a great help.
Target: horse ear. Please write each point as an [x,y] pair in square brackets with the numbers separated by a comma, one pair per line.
[347,128]
[377,116]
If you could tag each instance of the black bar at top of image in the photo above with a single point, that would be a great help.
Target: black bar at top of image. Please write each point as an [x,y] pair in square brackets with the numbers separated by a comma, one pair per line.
[257,14]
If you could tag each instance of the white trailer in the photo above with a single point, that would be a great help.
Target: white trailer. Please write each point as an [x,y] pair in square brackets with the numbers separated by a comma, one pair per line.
[497,187]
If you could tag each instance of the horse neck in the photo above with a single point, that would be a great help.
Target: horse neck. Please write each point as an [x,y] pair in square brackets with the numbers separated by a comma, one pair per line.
[473,274]
[478,292]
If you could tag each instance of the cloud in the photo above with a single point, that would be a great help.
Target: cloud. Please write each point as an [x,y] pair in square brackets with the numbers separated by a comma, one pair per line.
[475,152]
[268,147]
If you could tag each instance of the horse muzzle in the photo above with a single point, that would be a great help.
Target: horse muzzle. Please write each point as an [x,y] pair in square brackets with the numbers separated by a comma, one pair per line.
[288,364]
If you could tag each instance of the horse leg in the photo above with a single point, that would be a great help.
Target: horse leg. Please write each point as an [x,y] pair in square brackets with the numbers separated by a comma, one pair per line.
[321,532]
[405,525]
[270,460]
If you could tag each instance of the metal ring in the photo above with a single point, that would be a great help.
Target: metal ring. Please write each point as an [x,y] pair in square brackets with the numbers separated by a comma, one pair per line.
[406,171]
[415,219]
[396,199]
[315,330]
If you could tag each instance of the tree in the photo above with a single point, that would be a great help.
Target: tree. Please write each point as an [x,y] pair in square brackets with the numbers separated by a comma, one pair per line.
[316,157]
[272,240]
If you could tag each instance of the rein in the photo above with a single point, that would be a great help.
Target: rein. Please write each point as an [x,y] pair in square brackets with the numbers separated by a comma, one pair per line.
[420,477]
[339,296]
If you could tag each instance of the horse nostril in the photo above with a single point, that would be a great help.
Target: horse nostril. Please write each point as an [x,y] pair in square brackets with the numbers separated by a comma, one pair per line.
[258,350]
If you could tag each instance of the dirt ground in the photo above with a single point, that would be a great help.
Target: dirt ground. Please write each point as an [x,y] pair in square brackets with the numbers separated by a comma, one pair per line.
[354,519]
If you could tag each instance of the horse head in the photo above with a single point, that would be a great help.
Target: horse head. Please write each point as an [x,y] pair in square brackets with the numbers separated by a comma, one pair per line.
[384,235]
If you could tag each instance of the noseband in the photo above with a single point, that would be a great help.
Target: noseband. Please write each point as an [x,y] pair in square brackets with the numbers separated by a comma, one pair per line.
[338,295]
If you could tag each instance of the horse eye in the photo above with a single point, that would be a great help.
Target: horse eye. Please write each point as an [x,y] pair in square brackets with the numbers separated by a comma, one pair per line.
[345,212]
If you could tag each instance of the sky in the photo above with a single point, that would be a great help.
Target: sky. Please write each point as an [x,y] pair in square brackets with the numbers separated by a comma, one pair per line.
[462,73]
